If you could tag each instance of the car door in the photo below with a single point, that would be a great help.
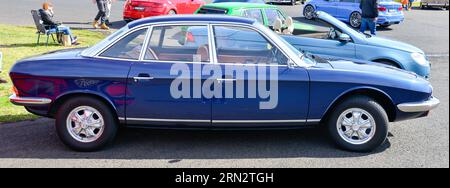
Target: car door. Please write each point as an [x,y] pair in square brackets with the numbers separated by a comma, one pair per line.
[259,88]
[162,88]
[346,7]
[328,6]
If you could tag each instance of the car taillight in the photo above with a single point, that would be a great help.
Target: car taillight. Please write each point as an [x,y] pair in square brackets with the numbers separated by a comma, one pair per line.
[190,37]
[382,9]
[15,91]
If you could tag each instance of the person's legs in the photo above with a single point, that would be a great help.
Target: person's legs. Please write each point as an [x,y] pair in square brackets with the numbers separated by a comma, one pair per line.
[101,11]
[363,25]
[66,30]
[108,11]
[372,26]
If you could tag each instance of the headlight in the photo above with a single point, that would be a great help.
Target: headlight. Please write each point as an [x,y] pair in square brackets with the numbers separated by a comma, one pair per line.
[419,58]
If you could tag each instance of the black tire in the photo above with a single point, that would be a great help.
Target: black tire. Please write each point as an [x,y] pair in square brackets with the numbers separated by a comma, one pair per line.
[308,12]
[172,12]
[374,109]
[109,130]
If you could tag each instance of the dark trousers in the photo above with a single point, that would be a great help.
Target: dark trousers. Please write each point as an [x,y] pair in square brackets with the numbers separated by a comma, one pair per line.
[101,15]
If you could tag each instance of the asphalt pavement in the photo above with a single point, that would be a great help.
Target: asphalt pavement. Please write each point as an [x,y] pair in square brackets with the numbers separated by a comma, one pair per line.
[415,143]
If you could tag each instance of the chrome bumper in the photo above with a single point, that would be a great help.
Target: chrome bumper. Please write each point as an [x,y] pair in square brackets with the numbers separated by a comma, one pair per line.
[28,101]
[419,106]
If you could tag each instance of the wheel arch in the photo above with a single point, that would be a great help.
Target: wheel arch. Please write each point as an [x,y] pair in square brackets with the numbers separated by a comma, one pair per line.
[379,96]
[388,59]
[63,98]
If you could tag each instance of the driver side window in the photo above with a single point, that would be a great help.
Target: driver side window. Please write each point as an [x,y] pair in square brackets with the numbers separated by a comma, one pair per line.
[128,47]
[236,45]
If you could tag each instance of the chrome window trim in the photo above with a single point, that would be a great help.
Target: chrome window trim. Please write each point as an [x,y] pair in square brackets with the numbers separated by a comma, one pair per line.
[163,61]
[255,26]
[98,54]
[254,29]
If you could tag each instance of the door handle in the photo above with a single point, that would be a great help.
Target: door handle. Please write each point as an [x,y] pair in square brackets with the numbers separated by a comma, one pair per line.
[222,80]
[143,77]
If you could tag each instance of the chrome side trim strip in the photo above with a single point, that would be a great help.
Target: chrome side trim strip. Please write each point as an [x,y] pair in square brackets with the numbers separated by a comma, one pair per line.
[259,121]
[167,120]
[24,101]
[314,120]
[419,106]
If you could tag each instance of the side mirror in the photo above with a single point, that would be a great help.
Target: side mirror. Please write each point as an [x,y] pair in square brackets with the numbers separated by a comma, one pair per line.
[345,38]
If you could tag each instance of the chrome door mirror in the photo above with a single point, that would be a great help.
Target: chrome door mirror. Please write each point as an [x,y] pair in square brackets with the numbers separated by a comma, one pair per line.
[345,38]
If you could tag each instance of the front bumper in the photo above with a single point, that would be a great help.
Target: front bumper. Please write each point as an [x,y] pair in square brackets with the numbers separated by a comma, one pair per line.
[29,101]
[424,106]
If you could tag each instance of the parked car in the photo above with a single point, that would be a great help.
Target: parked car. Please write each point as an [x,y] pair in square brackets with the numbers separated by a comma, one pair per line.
[337,39]
[137,9]
[291,2]
[263,13]
[348,11]
[240,1]
[434,4]
[127,80]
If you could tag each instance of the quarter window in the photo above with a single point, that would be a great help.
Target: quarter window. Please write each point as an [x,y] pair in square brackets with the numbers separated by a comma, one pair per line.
[236,45]
[255,14]
[178,43]
[272,15]
[128,47]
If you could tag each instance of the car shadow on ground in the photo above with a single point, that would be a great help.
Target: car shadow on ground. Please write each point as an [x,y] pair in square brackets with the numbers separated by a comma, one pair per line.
[40,141]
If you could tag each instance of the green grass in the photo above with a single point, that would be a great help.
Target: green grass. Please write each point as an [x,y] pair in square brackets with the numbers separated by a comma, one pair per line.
[19,42]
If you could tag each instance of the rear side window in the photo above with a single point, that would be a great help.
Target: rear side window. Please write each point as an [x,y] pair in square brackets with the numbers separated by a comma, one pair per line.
[272,15]
[178,43]
[128,47]
[255,14]
[212,11]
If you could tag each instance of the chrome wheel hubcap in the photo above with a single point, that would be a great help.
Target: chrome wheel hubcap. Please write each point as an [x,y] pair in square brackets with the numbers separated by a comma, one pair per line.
[85,124]
[355,20]
[309,12]
[356,126]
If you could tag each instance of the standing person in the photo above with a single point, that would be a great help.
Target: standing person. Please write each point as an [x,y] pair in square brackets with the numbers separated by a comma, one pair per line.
[405,4]
[100,19]
[47,14]
[369,15]
[410,4]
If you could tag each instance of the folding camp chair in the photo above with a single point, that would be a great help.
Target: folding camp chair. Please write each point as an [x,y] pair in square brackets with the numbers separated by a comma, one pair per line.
[41,30]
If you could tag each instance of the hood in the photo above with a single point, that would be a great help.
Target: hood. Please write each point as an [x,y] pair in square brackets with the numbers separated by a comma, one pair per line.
[392,44]
[373,68]
[58,54]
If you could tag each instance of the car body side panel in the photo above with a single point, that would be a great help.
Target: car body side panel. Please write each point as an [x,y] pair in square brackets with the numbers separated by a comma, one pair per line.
[80,75]
[327,85]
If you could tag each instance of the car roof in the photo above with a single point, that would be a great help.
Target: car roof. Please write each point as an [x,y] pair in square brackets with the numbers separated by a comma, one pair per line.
[236,5]
[190,18]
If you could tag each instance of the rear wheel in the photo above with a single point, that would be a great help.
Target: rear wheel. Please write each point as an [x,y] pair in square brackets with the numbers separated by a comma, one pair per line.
[309,12]
[85,124]
[358,124]
[355,20]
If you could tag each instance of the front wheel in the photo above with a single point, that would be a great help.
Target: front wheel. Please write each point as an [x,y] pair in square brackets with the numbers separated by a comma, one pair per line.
[355,20]
[308,12]
[358,124]
[172,12]
[85,124]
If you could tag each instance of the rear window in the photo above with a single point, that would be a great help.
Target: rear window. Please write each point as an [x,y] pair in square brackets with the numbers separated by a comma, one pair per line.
[212,11]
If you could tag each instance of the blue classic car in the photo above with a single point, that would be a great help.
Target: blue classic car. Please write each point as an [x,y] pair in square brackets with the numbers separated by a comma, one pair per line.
[145,75]
[348,11]
[335,39]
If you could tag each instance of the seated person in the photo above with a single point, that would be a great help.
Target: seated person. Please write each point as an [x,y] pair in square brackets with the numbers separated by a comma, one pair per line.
[47,17]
